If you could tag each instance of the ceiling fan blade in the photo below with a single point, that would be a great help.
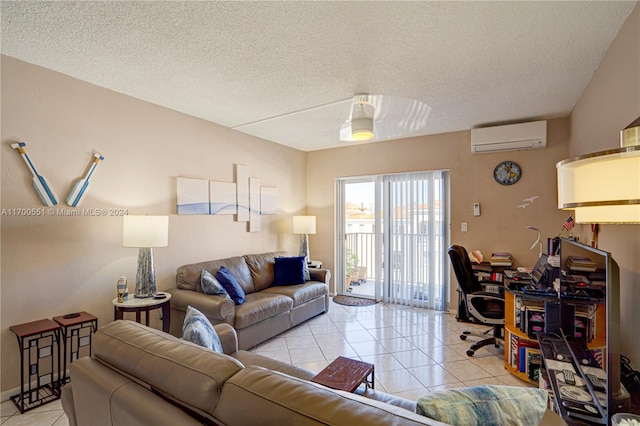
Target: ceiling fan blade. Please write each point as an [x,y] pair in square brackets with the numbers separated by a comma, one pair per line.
[345,131]
[393,116]
[399,117]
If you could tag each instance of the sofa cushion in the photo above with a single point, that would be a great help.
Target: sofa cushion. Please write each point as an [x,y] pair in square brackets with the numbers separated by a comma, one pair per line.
[209,283]
[231,285]
[192,374]
[261,267]
[197,329]
[289,270]
[485,405]
[301,293]
[281,399]
[188,276]
[259,307]
[248,358]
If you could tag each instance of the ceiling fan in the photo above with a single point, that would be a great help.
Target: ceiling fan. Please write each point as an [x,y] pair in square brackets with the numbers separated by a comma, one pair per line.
[381,117]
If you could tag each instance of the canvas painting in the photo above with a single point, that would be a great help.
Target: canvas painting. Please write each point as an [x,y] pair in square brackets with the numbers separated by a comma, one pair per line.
[254,205]
[242,196]
[222,197]
[193,196]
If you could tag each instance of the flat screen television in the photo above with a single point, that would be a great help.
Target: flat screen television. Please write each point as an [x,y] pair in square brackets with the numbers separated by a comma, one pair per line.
[603,274]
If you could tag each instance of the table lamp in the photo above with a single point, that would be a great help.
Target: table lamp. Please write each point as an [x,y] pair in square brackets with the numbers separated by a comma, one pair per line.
[604,187]
[304,225]
[145,232]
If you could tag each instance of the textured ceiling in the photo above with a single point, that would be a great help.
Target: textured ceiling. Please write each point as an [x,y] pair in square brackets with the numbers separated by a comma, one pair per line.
[285,66]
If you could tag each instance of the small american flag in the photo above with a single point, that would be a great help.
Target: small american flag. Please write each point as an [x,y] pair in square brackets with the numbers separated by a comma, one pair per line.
[568,224]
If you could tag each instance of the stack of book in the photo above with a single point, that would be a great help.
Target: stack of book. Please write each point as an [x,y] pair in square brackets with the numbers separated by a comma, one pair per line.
[501,259]
[577,263]
[481,267]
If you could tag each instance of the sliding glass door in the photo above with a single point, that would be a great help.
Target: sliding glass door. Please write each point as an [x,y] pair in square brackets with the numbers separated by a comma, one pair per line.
[358,236]
[398,220]
[416,226]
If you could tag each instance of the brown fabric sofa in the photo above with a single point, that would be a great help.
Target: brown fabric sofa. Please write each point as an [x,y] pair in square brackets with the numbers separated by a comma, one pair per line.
[267,310]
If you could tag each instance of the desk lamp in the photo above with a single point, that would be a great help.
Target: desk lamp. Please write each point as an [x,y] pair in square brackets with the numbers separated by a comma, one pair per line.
[304,225]
[145,232]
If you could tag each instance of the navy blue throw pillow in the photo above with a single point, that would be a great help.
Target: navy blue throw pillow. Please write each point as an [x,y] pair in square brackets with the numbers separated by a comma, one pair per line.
[289,270]
[231,285]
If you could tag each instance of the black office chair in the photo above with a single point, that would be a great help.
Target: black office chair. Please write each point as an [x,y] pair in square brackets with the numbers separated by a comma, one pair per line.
[484,301]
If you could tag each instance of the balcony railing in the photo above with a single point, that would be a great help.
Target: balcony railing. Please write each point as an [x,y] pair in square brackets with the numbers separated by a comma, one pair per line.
[411,266]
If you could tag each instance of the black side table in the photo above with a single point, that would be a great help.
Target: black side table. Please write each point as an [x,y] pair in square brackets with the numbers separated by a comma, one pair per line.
[37,341]
[76,330]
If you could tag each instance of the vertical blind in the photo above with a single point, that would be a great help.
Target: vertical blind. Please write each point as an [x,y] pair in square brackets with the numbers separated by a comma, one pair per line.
[415,223]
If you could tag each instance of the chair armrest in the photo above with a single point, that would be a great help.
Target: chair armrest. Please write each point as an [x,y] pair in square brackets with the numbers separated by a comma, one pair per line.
[228,338]
[322,275]
[485,295]
[216,308]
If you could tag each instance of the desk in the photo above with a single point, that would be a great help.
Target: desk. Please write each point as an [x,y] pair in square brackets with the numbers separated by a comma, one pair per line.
[38,341]
[139,305]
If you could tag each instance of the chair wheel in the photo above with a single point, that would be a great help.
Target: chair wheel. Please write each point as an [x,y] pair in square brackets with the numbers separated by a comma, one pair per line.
[463,337]
[470,352]
[466,332]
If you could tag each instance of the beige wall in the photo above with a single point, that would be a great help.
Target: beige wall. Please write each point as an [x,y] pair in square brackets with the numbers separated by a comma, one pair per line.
[56,265]
[501,226]
[610,103]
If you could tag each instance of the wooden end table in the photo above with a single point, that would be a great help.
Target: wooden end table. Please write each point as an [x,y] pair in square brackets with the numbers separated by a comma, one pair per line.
[76,330]
[346,374]
[139,305]
[37,341]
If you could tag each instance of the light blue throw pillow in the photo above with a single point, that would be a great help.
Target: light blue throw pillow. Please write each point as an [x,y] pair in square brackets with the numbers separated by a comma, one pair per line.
[198,329]
[209,283]
[488,405]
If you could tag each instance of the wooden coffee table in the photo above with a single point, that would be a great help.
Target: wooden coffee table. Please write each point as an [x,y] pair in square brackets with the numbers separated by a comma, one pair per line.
[346,374]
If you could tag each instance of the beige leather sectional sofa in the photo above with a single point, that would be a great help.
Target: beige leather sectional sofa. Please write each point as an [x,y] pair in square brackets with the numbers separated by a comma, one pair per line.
[142,376]
[267,311]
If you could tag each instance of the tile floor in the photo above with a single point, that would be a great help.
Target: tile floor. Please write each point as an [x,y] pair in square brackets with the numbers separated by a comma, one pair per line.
[415,351]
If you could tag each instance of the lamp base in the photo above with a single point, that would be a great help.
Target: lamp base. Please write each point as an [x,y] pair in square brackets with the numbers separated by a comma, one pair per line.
[146,276]
[304,246]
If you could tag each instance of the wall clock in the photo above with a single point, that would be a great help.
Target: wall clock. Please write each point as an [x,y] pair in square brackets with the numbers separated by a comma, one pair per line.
[507,173]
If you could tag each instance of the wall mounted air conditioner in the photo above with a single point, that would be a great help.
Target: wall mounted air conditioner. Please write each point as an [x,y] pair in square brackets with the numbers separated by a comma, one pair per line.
[512,137]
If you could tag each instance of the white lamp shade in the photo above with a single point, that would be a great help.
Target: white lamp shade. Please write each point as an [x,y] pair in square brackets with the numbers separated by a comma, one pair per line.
[304,224]
[603,187]
[629,213]
[145,231]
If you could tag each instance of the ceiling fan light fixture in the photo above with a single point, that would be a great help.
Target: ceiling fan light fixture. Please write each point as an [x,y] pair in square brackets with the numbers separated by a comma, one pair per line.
[362,129]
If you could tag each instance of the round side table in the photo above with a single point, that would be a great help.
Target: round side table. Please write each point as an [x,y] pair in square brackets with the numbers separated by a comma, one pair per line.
[139,305]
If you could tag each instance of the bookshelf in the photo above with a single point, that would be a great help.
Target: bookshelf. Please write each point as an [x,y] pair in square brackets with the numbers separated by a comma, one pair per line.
[520,340]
